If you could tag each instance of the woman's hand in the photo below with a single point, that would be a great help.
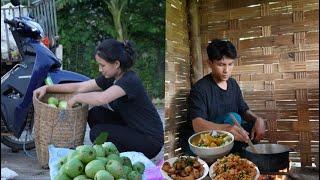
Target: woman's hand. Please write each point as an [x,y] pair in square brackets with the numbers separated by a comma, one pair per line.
[40,92]
[238,133]
[258,129]
[73,101]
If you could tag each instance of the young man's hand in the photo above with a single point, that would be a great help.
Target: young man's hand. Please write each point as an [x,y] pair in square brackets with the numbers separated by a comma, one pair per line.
[258,129]
[239,133]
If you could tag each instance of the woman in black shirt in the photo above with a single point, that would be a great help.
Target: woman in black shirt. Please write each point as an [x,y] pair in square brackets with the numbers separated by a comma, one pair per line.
[121,105]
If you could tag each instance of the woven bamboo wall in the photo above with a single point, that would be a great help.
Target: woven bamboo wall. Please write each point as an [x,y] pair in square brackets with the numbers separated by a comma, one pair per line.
[177,76]
[278,65]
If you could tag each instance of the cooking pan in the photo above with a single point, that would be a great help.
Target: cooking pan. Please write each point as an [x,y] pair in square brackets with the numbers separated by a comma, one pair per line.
[269,157]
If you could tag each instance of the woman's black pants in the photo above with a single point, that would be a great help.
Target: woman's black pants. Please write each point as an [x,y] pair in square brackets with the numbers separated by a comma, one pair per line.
[101,119]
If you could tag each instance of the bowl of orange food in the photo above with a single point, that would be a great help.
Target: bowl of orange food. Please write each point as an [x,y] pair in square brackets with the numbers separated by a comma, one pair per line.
[210,145]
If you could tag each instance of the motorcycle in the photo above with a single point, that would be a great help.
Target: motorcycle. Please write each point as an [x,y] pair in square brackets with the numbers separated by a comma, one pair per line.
[38,65]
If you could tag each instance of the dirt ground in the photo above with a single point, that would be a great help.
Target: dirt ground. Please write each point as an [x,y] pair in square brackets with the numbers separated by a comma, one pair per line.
[28,168]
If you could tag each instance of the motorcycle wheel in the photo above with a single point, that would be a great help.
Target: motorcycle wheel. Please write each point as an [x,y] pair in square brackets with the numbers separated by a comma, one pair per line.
[26,138]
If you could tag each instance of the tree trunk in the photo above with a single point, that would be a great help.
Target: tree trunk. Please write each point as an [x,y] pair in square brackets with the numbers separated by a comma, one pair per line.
[115,7]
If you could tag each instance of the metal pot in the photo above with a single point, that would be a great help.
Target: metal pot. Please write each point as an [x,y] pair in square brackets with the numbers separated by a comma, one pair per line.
[270,157]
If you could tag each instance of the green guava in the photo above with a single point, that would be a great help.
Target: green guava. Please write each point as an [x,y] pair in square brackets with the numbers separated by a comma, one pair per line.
[134,175]
[127,170]
[138,166]
[93,167]
[61,161]
[62,176]
[126,161]
[100,152]
[103,175]
[63,168]
[81,177]
[52,105]
[53,100]
[86,153]
[74,167]
[110,148]
[72,154]
[103,159]
[63,104]
[115,157]
[115,168]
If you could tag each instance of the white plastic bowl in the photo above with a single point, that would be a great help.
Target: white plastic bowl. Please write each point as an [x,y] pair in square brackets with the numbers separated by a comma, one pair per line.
[210,154]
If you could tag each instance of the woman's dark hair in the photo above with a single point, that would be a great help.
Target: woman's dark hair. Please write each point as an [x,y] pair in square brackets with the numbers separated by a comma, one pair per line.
[219,48]
[112,50]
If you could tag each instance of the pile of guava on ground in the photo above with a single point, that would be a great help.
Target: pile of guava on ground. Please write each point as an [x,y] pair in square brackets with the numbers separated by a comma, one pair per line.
[98,162]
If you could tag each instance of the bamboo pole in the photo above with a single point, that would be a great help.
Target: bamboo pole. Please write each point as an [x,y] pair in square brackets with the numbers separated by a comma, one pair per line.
[195,42]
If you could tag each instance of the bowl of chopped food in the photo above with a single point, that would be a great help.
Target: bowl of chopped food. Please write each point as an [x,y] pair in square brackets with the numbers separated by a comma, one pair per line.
[234,167]
[184,167]
[210,145]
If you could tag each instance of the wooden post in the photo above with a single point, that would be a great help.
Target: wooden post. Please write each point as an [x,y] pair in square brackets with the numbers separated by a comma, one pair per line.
[195,42]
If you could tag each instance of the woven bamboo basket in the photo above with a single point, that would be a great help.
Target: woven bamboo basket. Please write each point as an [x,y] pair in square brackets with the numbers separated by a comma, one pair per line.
[62,128]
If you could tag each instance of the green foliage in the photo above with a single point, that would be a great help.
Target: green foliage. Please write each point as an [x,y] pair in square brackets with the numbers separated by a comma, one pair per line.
[81,27]
[84,23]
[101,138]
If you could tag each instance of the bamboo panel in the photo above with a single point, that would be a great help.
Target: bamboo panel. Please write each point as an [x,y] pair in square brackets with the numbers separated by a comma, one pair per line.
[296,83]
[177,50]
[280,136]
[281,40]
[281,50]
[275,8]
[281,24]
[297,27]
[223,5]
[294,125]
[277,69]
[259,76]
[248,68]
[259,59]
[299,66]
[278,64]
[177,70]
[289,56]
[175,10]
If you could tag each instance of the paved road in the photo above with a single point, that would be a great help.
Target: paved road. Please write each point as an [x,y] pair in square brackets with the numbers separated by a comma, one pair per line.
[28,168]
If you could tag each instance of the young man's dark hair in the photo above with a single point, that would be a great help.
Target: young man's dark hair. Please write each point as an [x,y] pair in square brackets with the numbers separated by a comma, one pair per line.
[219,48]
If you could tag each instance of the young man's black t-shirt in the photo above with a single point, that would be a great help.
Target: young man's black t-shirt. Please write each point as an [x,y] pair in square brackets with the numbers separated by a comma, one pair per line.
[135,108]
[208,101]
